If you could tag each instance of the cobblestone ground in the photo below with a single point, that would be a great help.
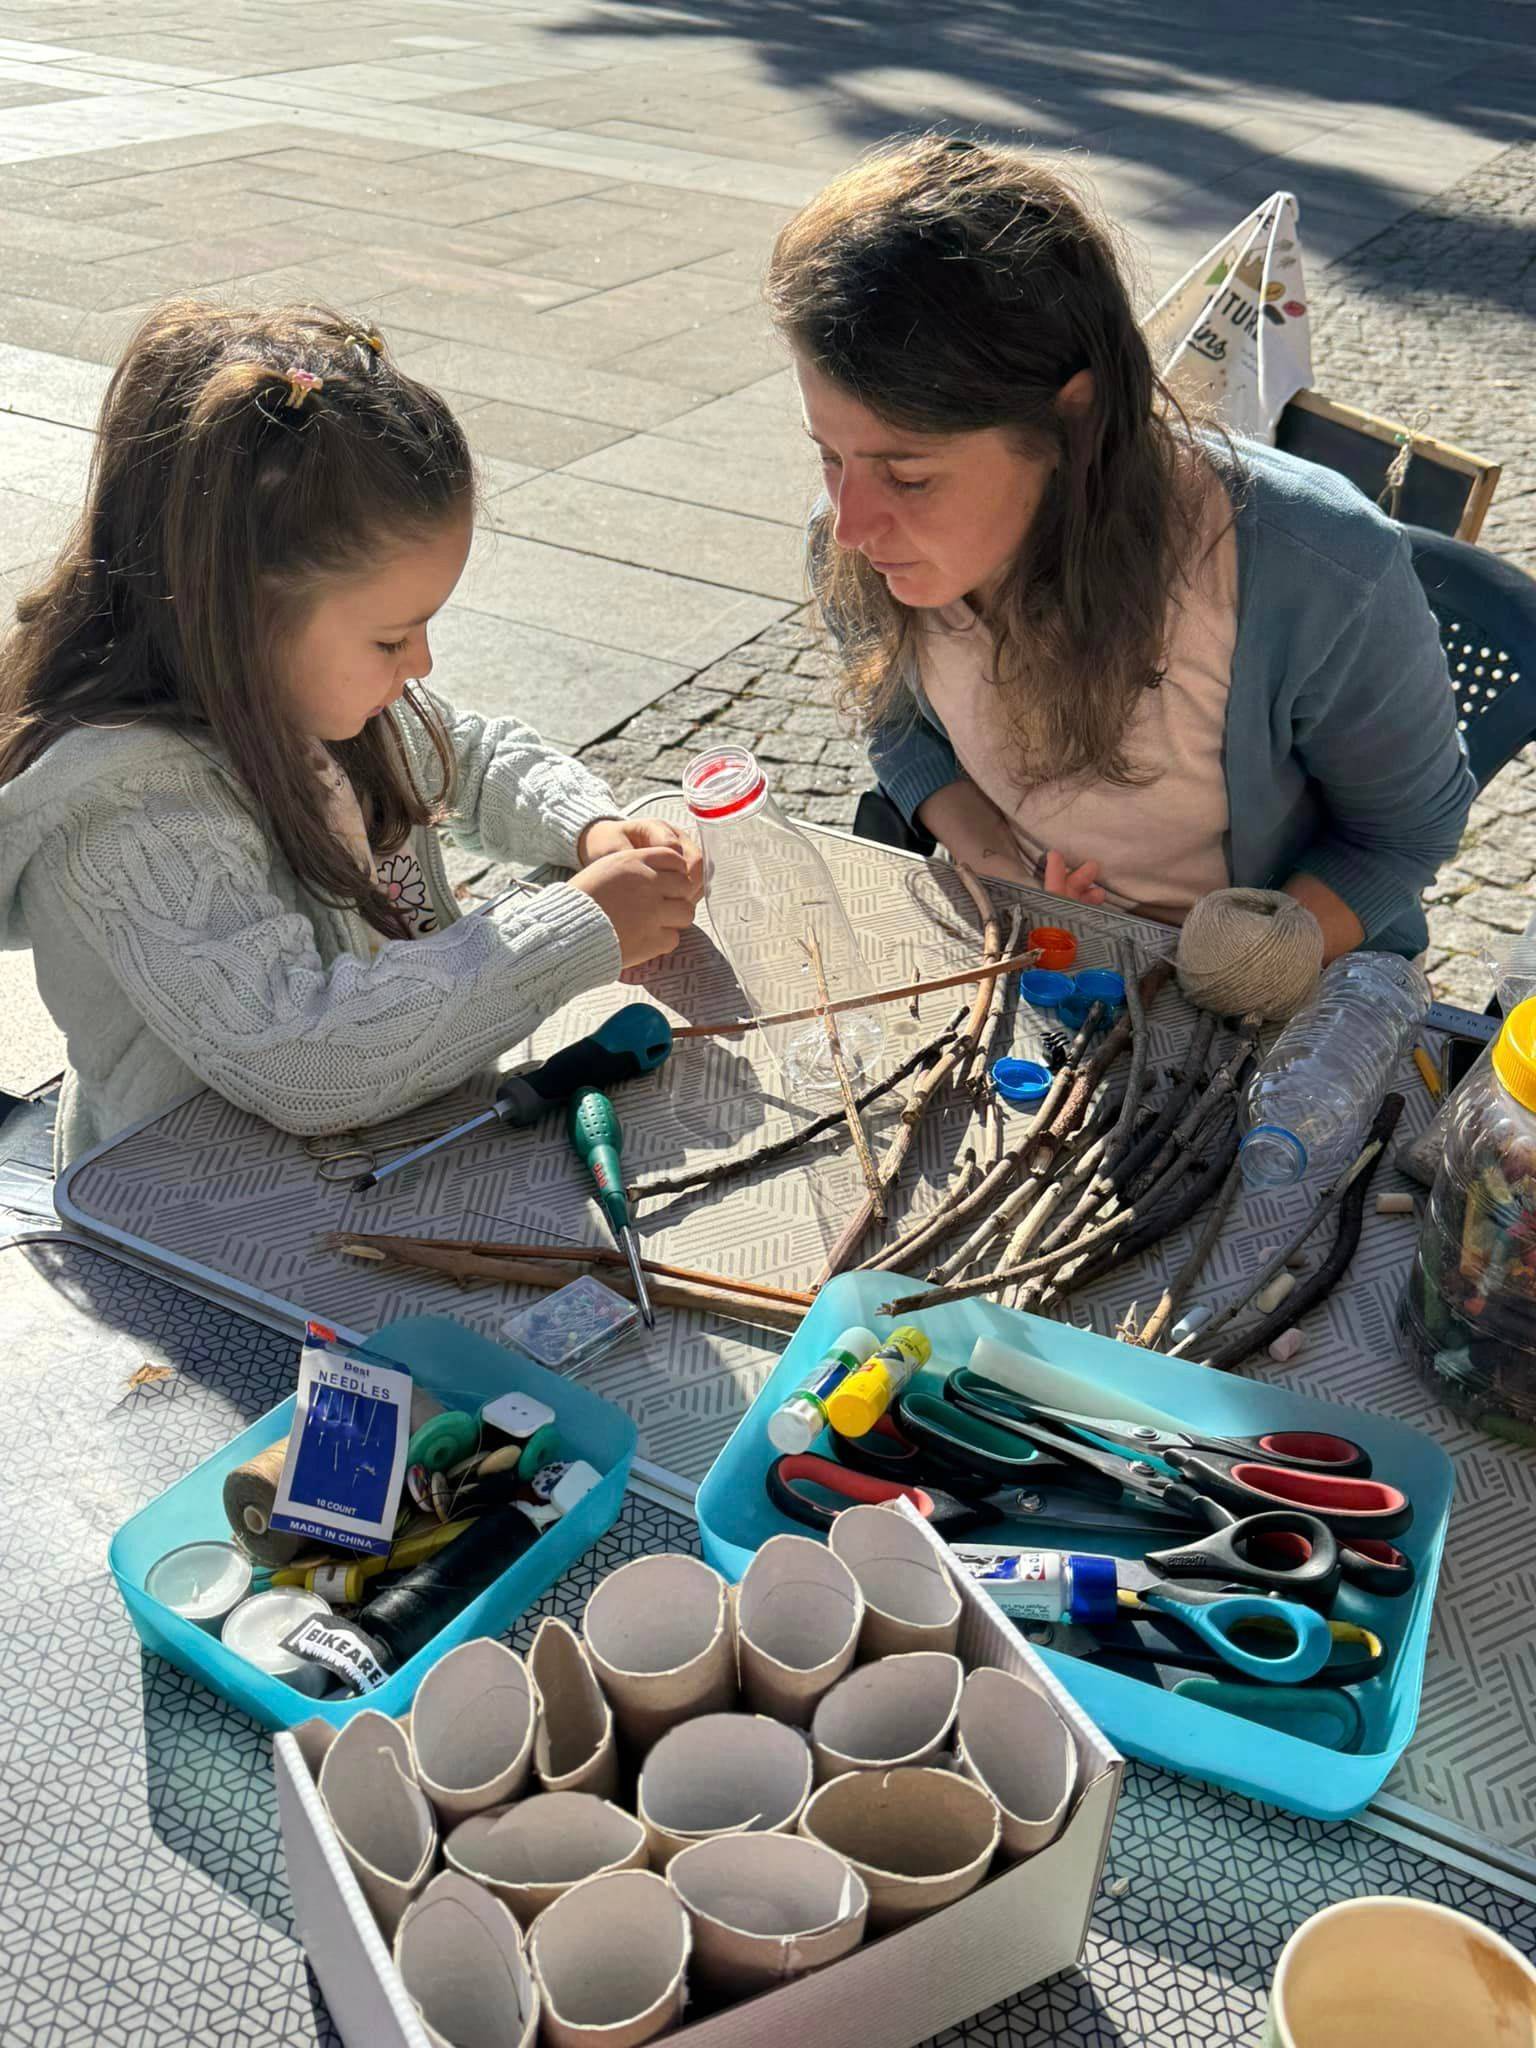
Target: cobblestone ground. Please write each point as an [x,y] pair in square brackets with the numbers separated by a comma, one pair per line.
[1434,322]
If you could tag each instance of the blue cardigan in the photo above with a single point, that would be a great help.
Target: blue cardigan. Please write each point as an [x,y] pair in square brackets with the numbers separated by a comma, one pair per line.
[1342,755]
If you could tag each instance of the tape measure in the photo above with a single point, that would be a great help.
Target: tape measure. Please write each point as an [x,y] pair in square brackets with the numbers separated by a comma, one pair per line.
[1468,1024]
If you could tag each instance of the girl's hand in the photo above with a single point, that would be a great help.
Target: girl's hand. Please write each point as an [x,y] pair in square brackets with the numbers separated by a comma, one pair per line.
[1080,885]
[646,895]
[620,835]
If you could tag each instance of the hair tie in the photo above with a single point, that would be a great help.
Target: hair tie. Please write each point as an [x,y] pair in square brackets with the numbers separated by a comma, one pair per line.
[302,386]
[371,341]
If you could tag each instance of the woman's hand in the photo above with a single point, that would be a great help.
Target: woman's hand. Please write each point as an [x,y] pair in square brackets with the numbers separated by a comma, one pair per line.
[1080,884]
[618,835]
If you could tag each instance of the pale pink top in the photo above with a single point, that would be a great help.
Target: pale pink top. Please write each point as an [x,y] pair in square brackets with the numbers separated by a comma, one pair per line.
[1160,844]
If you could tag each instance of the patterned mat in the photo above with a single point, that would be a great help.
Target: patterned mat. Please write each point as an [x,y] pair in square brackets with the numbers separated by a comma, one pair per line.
[237,1210]
[142,1897]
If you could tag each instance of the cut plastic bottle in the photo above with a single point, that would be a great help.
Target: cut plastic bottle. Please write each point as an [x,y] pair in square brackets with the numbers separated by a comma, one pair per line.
[768,891]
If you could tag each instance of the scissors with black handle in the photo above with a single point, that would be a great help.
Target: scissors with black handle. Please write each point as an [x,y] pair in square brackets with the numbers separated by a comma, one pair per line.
[1215,1485]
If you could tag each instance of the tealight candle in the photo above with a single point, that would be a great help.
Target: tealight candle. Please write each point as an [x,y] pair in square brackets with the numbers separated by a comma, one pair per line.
[201,1581]
[256,1628]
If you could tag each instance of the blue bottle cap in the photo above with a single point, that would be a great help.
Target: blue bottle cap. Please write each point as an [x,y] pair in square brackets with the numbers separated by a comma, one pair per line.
[1020,1081]
[1043,988]
[1100,985]
[1095,1590]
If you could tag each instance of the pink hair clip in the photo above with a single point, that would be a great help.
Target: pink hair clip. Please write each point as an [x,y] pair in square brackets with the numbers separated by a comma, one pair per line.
[302,386]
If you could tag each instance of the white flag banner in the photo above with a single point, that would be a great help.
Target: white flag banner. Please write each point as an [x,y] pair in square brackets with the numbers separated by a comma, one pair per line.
[1234,336]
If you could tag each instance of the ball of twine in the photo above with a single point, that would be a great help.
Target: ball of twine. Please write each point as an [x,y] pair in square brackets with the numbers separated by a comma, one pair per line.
[1247,950]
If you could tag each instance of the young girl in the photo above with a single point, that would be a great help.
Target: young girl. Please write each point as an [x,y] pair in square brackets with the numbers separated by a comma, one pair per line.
[1091,647]
[220,773]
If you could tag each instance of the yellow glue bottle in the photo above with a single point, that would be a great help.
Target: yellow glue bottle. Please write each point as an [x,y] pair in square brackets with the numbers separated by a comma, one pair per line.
[857,1405]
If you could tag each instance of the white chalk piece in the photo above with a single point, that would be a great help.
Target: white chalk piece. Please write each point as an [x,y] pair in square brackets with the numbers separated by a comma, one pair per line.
[383,1819]
[610,1959]
[201,1582]
[1192,1320]
[898,1711]
[460,1957]
[531,1854]
[1270,1297]
[1394,1205]
[256,1630]
[798,1615]
[1286,1346]
[920,1839]
[910,1602]
[1015,1746]
[574,1749]
[766,1908]
[472,1729]
[661,1633]
[722,1774]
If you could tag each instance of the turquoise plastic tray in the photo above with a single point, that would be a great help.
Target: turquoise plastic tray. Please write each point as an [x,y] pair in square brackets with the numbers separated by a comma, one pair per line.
[1159,1727]
[463,1371]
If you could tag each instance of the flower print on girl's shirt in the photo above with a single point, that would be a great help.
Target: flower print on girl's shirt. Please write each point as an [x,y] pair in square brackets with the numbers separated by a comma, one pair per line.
[402,881]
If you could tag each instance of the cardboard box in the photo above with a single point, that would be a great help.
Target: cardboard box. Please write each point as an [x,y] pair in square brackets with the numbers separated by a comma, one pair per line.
[1021,1925]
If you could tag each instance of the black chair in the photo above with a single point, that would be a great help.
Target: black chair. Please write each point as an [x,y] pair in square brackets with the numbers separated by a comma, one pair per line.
[1486,611]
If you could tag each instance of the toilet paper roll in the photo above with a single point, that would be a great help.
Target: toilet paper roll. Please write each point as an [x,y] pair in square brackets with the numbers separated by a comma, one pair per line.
[460,1957]
[530,1854]
[920,1839]
[910,1602]
[766,1908]
[661,1634]
[383,1819]
[610,1960]
[798,1615]
[472,1729]
[574,1749]
[899,1711]
[722,1774]
[1014,1744]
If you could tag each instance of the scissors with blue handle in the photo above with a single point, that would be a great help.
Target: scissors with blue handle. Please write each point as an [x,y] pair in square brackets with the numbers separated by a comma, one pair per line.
[1219,1618]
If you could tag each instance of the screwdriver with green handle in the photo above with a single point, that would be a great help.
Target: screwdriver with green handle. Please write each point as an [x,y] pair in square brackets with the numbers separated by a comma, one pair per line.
[634,1041]
[597,1139]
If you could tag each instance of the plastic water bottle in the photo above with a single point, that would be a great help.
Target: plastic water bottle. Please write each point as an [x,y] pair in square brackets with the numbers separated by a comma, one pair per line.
[1320,1083]
[769,891]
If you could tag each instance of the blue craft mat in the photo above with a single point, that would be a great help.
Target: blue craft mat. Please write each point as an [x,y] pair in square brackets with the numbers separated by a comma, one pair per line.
[736,1518]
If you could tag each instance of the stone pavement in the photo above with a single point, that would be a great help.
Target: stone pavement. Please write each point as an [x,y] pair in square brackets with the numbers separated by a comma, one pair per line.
[559,213]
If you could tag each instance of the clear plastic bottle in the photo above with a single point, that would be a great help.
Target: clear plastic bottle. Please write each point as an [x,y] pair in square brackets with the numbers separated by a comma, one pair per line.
[1468,1313]
[768,890]
[1322,1079]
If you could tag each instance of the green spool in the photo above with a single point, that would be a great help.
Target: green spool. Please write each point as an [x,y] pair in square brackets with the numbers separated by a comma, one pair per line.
[444,1440]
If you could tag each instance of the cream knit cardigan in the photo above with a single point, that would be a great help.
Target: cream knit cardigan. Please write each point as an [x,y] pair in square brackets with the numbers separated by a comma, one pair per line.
[174,945]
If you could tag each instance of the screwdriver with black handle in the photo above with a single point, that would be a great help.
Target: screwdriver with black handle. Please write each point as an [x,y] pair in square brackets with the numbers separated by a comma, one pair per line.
[597,1139]
[634,1041]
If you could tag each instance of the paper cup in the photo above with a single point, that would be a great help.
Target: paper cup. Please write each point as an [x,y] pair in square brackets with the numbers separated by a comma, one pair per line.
[574,1749]
[472,1728]
[532,1853]
[382,1818]
[722,1774]
[896,1712]
[910,1601]
[662,1638]
[798,1615]
[609,1960]
[1400,1971]
[766,1908]
[920,1839]
[460,1958]
[1014,1745]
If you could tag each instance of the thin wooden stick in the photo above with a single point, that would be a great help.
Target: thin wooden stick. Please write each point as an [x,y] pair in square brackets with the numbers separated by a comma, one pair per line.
[353,1241]
[986,971]
[1176,1293]
[855,1122]
[779,1148]
[974,1078]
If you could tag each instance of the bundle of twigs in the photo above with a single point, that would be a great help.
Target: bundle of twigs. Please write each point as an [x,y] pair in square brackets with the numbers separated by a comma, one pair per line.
[551,1265]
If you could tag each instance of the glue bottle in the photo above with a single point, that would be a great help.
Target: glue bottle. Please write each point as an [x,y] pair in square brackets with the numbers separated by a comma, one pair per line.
[857,1405]
[1044,1585]
[801,1417]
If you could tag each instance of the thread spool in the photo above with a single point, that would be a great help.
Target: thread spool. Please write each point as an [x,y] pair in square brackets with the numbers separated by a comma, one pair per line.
[1246,950]
[251,1490]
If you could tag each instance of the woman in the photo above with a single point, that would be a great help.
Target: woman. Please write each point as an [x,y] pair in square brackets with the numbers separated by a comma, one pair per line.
[1092,648]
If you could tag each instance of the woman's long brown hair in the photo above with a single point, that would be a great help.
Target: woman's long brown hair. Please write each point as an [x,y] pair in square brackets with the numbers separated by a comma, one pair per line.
[223,495]
[952,287]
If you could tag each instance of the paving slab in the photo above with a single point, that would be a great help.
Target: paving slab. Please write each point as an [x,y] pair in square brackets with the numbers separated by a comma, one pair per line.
[51,387]
[605,396]
[777,482]
[570,690]
[544,440]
